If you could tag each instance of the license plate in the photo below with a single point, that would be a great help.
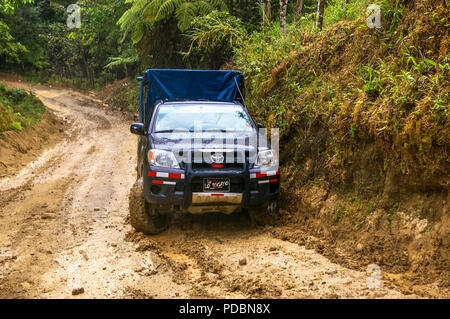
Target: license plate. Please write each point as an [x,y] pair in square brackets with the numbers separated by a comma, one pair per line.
[216,184]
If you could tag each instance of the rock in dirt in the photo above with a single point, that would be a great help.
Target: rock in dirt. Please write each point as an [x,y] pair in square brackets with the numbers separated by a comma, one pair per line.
[243,262]
[331,272]
[77,291]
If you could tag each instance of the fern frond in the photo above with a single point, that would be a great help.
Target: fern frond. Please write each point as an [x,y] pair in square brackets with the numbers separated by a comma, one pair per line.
[148,11]
[184,14]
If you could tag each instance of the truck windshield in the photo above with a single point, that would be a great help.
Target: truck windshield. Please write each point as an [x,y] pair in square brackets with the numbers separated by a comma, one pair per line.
[202,117]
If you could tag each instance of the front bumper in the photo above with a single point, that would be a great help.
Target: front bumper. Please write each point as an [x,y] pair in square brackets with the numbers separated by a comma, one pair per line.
[181,190]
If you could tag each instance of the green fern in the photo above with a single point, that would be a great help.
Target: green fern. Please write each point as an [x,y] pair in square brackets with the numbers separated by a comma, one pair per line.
[184,15]
[215,29]
[126,58]
[143,12]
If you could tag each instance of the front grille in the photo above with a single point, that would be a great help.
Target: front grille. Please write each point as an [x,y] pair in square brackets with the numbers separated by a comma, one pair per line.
[200,166]
[202,160]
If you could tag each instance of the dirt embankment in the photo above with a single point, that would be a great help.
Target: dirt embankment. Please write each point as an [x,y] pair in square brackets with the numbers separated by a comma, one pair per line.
[365,142]
[122,95]
[18,148]
[386,218]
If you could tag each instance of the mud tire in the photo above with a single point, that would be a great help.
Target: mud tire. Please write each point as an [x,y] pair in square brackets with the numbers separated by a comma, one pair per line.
[143,217]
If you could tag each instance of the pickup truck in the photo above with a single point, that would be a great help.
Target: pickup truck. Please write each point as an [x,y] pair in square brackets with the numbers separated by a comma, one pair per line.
[199,151]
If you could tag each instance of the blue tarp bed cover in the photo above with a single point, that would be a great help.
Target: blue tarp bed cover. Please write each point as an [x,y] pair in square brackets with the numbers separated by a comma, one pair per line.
[192,85]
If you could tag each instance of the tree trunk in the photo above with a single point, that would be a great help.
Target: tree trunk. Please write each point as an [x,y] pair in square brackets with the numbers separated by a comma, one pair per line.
[298,9]
[267,12]
[283,11]
[267,15]
[320,9]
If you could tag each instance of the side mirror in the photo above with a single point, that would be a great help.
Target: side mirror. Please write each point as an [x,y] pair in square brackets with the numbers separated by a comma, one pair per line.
[137,128]
[260,125]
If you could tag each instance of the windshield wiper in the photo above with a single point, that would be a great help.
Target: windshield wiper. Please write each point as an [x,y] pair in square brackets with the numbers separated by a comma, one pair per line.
[173,131]
[193,131]
[216,130]
[164,131]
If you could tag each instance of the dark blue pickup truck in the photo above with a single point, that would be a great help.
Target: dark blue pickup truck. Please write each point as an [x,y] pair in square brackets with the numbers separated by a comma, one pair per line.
[199,150]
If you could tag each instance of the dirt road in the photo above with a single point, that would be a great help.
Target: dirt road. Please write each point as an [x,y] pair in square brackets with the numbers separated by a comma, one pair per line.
[63,227]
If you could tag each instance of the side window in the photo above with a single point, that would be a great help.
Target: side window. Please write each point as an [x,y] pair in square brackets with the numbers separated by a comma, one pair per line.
[144,99]
[149,118]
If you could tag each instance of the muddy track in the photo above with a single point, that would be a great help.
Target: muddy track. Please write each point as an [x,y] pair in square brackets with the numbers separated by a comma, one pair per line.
[63,225]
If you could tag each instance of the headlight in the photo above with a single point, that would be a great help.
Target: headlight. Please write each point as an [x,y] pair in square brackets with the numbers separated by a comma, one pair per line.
[162,158]
[266,159]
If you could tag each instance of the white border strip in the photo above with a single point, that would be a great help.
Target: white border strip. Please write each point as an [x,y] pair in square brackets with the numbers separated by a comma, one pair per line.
[164,175]
[164,183]
[264,174]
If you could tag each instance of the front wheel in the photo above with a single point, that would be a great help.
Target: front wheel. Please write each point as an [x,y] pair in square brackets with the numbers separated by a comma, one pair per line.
[143,217]
[266,214]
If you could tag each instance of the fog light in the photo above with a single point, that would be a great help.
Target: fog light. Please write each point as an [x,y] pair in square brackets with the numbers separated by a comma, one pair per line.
[155,189]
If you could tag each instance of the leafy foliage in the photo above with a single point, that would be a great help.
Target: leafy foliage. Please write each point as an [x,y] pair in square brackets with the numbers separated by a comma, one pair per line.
[143,12]
[41,46]
[18,110]
[360,85]
[128,57]
[100,40]
[10,50]
[8,6]
[217,29]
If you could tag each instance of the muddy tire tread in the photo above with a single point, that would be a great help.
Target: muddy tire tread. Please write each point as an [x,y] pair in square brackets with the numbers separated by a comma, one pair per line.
[140,218]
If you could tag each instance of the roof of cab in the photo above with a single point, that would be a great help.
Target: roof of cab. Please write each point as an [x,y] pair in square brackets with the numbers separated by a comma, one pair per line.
[193,85]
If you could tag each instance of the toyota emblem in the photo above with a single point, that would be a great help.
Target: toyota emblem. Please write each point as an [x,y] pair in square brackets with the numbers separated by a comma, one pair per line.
[217,158]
